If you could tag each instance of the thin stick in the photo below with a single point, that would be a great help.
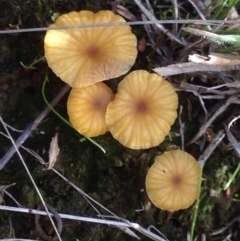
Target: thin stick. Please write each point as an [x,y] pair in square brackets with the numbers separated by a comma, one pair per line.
[3,189]
[233,140]
[232,121]
[122,223]
[64,216]
[90,199]
[211,147]
[30,128]
[199,11]
[205,91]
[183,86]
[32,180]
[202,159]
[182,126]
[181,21]
[190,67]
[150,16]
[236,147]
[231,100]
[175,16]
[17,239]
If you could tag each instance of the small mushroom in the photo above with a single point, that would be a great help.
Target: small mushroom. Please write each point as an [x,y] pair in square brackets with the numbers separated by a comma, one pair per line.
[85,56]
[87,108]
[172,181]
[143,110]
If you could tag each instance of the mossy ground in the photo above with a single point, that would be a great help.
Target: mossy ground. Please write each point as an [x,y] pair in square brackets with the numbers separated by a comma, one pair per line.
[115,179]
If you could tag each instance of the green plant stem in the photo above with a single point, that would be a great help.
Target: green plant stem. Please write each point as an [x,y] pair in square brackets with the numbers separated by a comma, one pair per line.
[219,10]
[49,105]
[31,66]
[232,177]
[196,207]
[62,118]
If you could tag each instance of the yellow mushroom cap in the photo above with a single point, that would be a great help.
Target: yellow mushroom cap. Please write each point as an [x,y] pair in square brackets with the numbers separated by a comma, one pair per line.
[143,110]
[172,181]
[85,56]
[87,108]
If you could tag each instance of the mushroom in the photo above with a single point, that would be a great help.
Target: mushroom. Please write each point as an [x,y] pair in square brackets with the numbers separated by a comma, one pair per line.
[85,56]
[87,108]
[143,110]
[172,181]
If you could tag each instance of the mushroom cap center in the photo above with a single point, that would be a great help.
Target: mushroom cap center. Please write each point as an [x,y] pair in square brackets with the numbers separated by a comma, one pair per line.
[176,180]
[92,51]
[98,105]
[141,107]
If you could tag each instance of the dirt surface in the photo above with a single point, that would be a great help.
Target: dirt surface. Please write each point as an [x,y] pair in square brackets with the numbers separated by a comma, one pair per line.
[115,179]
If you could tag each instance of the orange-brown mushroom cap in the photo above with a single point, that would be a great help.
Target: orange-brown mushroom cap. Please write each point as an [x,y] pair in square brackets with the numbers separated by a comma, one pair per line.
[143,110]
[84,56]
[87,108]
[172,181]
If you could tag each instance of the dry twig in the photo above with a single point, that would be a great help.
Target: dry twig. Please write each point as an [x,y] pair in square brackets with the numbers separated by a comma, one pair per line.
[211,147]
[231,100]
[150,16]
[32,180]
[31,127]
[212,63]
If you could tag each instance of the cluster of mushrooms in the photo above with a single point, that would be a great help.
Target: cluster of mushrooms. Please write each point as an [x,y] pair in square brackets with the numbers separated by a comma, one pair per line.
[139,115]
